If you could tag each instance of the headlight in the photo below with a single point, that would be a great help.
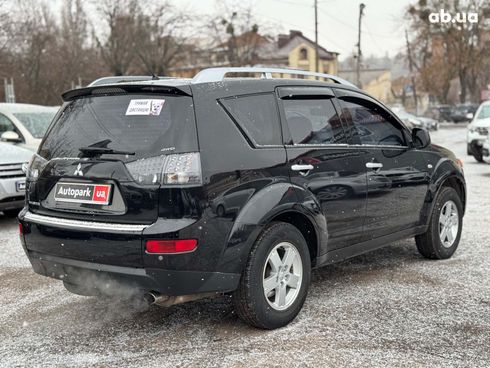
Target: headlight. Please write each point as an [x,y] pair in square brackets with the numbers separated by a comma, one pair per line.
[35,167]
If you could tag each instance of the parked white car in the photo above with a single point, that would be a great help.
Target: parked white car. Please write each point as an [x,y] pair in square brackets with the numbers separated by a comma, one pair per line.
[12,178]
[478,131]
[23,124]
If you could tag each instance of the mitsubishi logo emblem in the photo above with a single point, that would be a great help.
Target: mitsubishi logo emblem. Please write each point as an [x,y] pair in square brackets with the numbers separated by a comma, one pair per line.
[78,170]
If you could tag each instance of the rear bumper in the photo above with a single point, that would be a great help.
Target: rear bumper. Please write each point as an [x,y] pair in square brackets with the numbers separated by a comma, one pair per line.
[100,277]
[94,255]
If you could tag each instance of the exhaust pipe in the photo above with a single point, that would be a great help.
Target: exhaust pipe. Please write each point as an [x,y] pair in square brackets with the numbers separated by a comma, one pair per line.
[153,297]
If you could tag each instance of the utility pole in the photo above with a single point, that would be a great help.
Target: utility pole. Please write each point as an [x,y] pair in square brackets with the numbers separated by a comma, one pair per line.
[316,36]
[410,67]
[359,53]
[9,90]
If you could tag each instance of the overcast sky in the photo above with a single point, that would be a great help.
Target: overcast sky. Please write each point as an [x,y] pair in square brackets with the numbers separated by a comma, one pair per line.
[382,28]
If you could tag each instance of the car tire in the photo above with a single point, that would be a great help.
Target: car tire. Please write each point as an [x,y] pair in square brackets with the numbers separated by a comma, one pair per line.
[477,153]
[444,232]
[469,150]
[282,302]
[11,213]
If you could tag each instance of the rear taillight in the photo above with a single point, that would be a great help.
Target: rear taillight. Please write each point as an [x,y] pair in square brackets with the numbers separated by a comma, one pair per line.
[175,169]
[21,229]
[171,246]
[35,166]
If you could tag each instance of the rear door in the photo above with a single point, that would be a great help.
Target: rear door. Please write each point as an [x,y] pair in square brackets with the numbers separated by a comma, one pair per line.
[150,133]
[397,175]
[321,161]
[144,127]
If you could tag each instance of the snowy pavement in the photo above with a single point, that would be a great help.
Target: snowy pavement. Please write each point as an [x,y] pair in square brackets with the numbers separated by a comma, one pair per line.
[389,308]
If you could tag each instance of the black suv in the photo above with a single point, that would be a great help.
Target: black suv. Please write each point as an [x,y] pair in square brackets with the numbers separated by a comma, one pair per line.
[180,189]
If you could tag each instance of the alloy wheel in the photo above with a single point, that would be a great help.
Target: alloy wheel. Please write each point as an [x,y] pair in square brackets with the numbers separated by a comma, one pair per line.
[282,276]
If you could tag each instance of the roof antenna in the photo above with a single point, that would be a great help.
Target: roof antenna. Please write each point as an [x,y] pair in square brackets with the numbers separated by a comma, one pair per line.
[154,76]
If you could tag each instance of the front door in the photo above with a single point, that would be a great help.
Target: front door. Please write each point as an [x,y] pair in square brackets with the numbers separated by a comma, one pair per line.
[397,176]
[321,161]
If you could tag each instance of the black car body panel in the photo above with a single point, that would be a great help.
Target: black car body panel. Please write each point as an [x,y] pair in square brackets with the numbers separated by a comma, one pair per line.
[341,207]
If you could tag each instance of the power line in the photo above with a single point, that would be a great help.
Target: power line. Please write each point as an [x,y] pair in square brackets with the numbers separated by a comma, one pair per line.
[327,38]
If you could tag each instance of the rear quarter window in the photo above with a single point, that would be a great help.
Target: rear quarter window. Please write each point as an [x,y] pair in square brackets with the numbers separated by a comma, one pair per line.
[257,117]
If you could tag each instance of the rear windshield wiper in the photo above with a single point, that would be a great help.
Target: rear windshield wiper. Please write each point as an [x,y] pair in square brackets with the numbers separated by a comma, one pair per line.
[97,151]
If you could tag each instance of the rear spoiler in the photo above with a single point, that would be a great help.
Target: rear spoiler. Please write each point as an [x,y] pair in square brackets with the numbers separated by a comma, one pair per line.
[107,90]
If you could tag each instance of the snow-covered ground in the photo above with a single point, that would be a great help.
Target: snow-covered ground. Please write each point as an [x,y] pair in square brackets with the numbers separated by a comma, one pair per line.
[388,308]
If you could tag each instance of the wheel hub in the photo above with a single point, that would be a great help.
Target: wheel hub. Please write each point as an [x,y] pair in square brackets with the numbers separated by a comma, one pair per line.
[282,276]
[448,224]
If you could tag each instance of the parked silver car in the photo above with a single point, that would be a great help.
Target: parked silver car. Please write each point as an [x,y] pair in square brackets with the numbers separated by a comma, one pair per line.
[416,121]
[12,178]
[24,124]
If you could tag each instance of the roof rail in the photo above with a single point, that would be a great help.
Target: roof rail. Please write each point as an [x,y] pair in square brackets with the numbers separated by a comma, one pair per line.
[218,74]
[124,79]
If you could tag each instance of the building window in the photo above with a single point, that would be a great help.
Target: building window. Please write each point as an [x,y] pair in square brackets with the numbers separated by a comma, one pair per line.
[303,54]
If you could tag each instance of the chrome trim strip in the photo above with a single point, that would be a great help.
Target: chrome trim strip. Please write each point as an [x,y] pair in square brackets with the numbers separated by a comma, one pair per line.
[100,227]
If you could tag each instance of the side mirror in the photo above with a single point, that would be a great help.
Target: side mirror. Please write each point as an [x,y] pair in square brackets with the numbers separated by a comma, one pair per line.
[11,137]
[469,116]
[420,138]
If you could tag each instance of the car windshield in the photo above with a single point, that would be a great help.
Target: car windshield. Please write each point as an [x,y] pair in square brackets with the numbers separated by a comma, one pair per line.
[36,122]
[484,112]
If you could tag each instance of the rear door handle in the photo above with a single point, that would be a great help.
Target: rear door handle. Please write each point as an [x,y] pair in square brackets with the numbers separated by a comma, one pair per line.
[303,169]
[374,165]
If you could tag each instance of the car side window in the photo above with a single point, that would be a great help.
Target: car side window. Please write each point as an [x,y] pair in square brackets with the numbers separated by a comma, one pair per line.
[313,121]
[257,116]
[6,125]
[371,124]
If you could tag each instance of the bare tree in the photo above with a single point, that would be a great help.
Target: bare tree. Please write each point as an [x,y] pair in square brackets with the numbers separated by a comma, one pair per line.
[160,38]
[448,50]
[236,35]
[118,48]
[73,40]
[33,50]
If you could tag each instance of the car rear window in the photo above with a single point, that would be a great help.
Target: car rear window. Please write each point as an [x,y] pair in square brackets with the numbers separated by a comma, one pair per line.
[257,116]
[149,125]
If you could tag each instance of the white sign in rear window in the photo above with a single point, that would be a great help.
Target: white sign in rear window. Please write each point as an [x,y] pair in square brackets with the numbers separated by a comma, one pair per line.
[145,107]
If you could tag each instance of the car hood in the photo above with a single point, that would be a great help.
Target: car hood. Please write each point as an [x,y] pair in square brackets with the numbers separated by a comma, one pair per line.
[484,123]
[10,154]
